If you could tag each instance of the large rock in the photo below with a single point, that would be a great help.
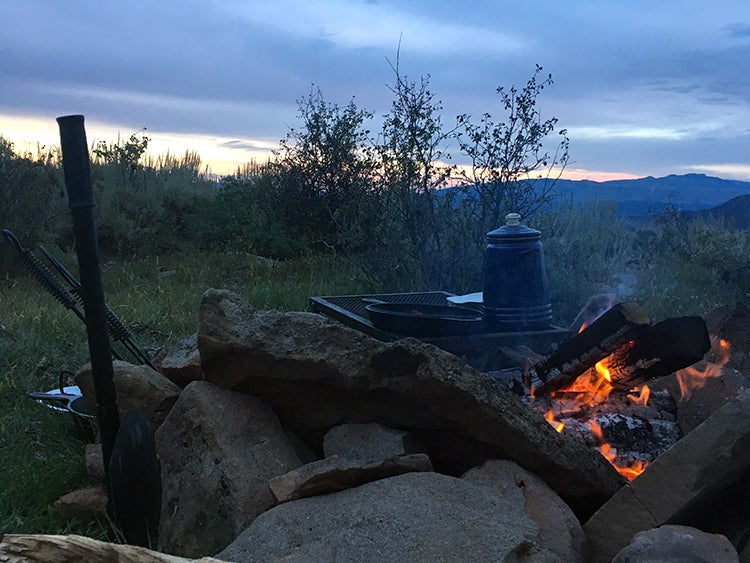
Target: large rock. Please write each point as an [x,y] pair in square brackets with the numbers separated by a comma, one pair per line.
[369,441]
[677,543]
[318,373]
[559,529]
[182,364]
[412,517]
[694,482]
[218,451]
[137,387]
[336,474]
[89,502]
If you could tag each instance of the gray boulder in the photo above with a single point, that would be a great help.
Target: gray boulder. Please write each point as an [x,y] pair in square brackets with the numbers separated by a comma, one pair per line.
[411,517]
[559,530]
[369,441]
[137,387]
[183,363]
[317,374]
[218,451]
[677,544]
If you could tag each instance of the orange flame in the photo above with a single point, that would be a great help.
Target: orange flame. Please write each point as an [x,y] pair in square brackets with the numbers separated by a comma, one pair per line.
[602,370]
[642,397]
[594,387]
[591,388]
[633,471]
[630,472]
[694,378]
[556,424]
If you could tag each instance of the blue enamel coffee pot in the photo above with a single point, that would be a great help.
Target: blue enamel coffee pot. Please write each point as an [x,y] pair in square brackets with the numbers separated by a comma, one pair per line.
[516,297]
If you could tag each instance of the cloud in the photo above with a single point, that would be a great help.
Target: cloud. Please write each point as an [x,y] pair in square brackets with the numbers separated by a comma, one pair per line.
[625,132]
[244,144]
[738,30]
[640,86]
[737,171]
[351,25]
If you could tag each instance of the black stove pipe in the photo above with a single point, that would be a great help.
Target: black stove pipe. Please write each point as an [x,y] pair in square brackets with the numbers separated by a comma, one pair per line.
[81,203]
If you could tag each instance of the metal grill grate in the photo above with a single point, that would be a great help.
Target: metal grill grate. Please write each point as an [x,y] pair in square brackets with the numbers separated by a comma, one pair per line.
[350,309]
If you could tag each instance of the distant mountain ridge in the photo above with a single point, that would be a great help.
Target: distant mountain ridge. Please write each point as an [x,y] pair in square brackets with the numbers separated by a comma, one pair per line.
[644,196]
[734,213]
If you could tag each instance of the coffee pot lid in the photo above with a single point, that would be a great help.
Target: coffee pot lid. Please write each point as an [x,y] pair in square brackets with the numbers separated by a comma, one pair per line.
[513,229]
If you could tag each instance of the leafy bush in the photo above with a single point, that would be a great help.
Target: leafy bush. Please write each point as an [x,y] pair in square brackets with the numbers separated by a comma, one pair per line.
[322,170]
[690,267]
[585,247]
[427,223]
[32,197]
[508,156]
[240,216]
[146,207]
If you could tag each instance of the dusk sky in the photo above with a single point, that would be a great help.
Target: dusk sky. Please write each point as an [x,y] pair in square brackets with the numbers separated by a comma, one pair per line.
[643,87]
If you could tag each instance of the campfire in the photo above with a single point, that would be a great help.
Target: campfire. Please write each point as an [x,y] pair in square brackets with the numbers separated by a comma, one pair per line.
[597,387]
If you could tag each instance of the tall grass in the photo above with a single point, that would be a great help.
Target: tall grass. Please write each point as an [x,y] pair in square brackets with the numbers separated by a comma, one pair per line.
[691,267]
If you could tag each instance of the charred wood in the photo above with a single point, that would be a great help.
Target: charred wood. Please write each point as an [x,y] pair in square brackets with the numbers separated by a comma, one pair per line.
[615,328]
[662,349]
[630,433]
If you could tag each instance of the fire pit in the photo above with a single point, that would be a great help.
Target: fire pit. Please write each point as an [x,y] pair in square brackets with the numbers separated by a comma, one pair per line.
[591,386]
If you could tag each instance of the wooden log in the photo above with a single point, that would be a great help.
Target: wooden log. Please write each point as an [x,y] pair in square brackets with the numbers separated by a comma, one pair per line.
[662,349]
[72,548]
[615,328]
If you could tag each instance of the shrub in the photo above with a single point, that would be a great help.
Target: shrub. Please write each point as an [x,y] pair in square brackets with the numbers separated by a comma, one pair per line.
[322,171]
[146,208]
[32,197]
[30,189]
[241,215]
[690,267]
[585,247]
[510,169]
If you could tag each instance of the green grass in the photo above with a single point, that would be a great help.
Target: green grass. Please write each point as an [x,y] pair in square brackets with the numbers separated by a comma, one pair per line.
[157,297]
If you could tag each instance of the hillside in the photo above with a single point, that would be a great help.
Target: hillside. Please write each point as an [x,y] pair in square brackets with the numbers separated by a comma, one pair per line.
[644,196]
[734,213]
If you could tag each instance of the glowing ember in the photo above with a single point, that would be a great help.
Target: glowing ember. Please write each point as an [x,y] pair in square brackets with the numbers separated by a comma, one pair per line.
[630,472]
[693,378]
[633,471]
[590,389]
[572,405]
[642,397]
[556,424]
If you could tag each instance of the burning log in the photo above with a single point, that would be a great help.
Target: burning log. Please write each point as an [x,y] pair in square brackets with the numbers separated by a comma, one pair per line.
[629,430]
[662,349]
[582,387]
[624,349]
[614,329]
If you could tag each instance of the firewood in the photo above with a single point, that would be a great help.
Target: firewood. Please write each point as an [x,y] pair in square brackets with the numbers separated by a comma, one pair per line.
[615,328]
[662,349]
[61,549]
